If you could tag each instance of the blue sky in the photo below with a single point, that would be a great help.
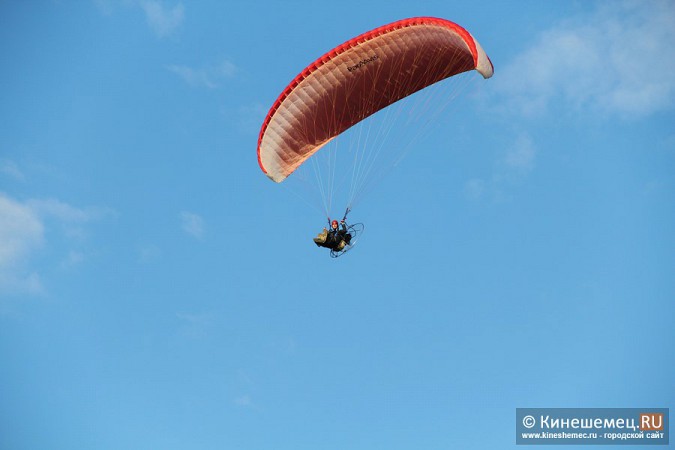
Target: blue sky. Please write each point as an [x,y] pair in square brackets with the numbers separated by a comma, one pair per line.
[158,291]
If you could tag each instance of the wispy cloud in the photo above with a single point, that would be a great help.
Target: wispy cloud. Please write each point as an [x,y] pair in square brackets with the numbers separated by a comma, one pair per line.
[149,253]
[74,258]
[195,326]
[59,210]
[244,401]
[474,188]
[619,59]
[193,77]
[192,224]
[11,170]
[71,219]
[521,155]
[209,77]
[23,227]
[105,6]
[21,234]
[511,167]
[163,20]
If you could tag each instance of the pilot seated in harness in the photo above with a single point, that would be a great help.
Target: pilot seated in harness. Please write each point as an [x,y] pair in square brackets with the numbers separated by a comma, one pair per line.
[336,239]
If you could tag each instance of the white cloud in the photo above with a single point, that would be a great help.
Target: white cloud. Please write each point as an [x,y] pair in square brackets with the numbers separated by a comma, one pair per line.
[21,233]
[10,169]
[163,21]
[521,155]
[225,69]
[59,210]
[23,227]
[74,258]
[194,77]
[510,168]
[195,326]
[70,218]
[192,224]
[208,77]
[148,254]
[619,59]
[105,6]
[474,188]
[243,401]
[20,283]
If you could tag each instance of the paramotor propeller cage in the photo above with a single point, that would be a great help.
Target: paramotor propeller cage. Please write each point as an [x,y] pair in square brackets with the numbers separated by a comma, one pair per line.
[355,230]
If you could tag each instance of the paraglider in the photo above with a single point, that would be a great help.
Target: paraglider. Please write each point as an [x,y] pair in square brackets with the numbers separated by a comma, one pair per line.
[356,80]
[340,238]
[336,238]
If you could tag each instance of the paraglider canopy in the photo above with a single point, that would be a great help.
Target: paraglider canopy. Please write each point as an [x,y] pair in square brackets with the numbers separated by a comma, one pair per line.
[357,79]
